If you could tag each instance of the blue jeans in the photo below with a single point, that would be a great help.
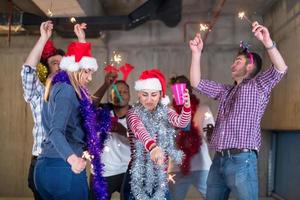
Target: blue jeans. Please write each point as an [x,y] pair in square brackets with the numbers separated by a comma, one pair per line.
[182,183]
[55,180]
[234,173]
[31,184]
[126,193]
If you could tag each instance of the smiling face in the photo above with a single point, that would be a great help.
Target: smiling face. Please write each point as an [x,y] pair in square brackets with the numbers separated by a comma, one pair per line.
[124,92]
[149,98]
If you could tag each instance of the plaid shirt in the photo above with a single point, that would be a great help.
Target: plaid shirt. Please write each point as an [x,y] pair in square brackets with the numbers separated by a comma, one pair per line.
[241,108]
[33,94]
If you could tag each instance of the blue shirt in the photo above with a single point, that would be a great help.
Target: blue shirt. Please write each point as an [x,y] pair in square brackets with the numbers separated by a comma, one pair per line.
[63,123]
[34,95]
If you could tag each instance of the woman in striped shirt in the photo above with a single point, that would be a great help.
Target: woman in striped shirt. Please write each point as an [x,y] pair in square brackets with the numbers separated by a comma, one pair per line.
[151,128]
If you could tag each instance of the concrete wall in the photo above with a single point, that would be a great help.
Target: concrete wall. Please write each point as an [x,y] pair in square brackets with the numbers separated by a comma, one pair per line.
[283,112]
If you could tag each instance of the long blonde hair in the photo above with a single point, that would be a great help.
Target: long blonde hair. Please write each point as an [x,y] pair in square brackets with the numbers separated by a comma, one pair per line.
[75,82]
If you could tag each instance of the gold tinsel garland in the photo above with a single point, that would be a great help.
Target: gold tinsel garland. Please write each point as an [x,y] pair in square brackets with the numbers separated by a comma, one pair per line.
[42,72]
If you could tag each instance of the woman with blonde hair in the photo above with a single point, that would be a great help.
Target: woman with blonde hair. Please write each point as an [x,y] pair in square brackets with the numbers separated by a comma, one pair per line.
[72,125]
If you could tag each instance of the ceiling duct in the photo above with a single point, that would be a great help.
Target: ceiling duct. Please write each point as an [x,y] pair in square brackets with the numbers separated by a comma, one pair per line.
[168,11]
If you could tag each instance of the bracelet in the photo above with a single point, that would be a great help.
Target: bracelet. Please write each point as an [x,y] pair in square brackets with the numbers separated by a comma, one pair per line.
[153,147]
[271,47]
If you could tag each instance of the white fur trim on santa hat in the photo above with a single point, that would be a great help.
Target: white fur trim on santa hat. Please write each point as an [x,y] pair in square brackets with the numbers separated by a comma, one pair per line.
[165,100]
[68,63]
[88,63]
[148,84]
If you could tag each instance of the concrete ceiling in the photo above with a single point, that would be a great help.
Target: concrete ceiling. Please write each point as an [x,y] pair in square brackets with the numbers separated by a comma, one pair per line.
[123,7]
[83,8]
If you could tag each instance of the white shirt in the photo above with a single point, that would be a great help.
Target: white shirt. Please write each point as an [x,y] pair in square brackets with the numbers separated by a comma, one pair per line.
[116,152]
[202,160]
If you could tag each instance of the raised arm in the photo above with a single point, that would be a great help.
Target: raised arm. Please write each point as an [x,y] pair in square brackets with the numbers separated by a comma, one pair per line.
[79,31]
[183,119]
[109,79]
[196,46]
[36,53]
[263,35]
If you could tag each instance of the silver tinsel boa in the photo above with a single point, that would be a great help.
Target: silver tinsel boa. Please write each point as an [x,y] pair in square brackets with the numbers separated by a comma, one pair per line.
[148,180]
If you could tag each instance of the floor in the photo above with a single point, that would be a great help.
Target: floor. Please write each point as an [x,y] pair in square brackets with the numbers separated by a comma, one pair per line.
[3,198]
[192,195]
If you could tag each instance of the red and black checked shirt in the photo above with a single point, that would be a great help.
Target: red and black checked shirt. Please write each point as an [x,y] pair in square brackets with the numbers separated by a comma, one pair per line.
[241,108]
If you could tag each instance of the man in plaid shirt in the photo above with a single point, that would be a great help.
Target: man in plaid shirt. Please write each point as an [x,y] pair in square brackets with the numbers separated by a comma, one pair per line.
[46,53]
[236,137]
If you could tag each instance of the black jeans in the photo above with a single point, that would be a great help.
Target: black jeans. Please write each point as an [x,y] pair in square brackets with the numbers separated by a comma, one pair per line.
[114,184]
[30,179]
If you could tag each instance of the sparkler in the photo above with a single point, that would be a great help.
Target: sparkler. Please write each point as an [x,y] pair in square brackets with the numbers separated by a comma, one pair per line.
[207,115]
[242,15]
[49,13]
[117,58]
[73,20]
[204,27]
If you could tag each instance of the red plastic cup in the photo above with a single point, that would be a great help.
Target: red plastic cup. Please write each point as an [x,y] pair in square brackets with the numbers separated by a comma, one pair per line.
[178,90]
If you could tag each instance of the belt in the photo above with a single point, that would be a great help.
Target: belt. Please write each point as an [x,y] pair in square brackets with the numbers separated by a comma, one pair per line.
[34,157]
[229,152]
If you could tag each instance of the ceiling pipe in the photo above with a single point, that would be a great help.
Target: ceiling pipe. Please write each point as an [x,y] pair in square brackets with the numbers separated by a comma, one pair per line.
[168,11]
[216,15]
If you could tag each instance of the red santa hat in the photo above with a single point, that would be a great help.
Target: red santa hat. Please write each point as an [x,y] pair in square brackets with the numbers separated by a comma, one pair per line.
[48,51]
[78,57]
[153,80]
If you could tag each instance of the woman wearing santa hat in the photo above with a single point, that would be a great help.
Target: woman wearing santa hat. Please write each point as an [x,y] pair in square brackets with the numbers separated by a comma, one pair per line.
[69,117]
[151,127]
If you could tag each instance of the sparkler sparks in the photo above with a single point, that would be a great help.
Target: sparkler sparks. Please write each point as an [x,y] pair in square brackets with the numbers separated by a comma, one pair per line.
[242,16]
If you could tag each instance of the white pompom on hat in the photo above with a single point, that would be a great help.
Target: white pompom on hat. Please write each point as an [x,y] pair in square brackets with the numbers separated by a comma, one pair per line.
[78,57]
[153,80]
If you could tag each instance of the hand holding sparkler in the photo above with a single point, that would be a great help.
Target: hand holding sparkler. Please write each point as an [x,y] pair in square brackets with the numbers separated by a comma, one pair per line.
[110,77]
[46,29]
[196,45]
[262,34]
[79,31]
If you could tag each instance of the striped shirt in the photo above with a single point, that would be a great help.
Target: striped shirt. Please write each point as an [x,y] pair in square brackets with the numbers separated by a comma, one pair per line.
[137,131]
[33,94]
[241,108]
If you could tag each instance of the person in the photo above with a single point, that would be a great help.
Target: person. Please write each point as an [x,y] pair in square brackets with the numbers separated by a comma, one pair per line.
[116,154]
[45,52]
[193,142]
[151,134]
[237,135]
[68,117]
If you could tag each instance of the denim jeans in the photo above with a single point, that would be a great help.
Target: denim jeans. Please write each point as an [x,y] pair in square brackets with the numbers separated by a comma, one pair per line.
[233,173]
[30,179]
[182,183]
[55,180]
